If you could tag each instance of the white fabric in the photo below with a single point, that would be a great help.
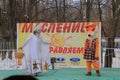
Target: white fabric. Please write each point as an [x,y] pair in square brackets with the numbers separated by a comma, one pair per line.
[37,28]
[33,50]
[45,53]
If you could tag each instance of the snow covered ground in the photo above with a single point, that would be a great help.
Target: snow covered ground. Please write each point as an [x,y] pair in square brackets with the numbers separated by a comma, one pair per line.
[116,59]
[8,63]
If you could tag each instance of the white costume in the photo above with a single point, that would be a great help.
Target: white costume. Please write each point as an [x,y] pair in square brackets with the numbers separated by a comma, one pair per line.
[37,57]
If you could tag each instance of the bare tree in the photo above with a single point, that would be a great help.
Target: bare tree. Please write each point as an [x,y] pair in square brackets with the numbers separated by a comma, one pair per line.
[15,11]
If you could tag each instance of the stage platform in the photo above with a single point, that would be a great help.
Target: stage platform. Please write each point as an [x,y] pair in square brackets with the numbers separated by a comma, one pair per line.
[69,74]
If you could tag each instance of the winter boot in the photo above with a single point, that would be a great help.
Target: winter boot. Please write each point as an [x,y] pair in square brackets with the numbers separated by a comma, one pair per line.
[88,74]
[98,73]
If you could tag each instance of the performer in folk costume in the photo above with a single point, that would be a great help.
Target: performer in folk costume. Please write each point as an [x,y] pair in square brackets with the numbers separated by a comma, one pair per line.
[90,50]
[37,57]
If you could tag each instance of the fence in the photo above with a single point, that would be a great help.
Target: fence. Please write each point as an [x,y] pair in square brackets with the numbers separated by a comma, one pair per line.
[110,57]
[7,45]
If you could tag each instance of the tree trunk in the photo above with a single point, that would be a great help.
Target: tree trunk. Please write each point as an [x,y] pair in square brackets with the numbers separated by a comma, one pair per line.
[100,15]
[109,54]
[36,10]
[11,18]
[64,4]
[88,6]
[57,11]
